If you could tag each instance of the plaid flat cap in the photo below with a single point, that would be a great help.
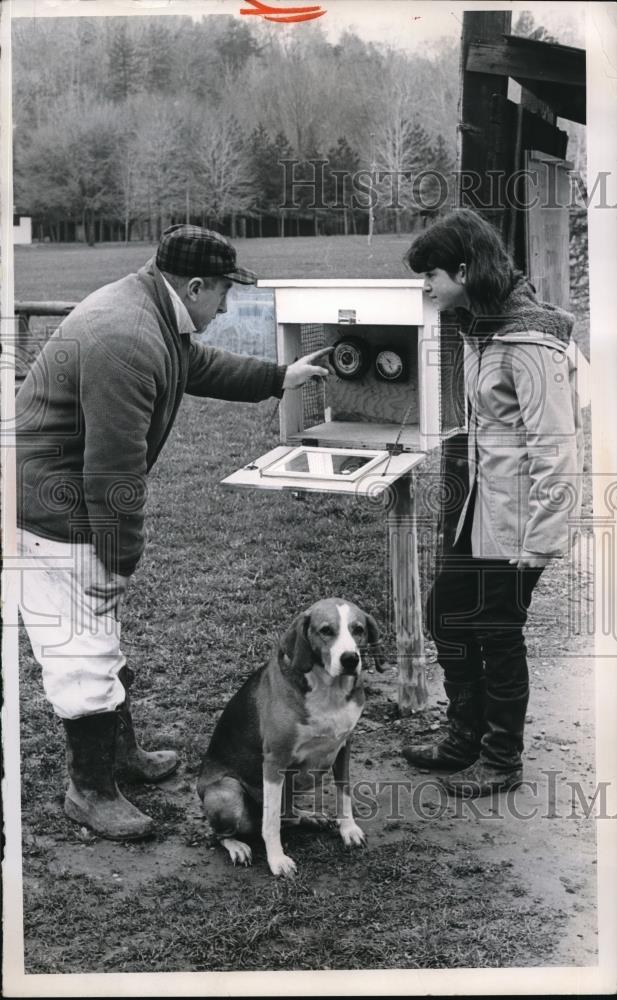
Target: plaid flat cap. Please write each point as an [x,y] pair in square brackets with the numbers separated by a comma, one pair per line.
[194,252]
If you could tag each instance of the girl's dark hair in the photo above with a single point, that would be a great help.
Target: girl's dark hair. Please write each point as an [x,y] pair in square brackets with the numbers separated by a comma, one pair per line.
[462,237]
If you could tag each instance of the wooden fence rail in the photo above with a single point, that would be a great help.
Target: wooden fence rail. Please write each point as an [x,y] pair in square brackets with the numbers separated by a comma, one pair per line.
[25,338]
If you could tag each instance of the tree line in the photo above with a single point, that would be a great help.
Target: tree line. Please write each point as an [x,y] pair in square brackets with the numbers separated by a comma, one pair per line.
[123,125]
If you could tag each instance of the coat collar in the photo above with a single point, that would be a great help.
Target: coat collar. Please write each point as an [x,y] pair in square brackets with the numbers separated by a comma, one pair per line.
[477,344]
[151,277]
[520,316]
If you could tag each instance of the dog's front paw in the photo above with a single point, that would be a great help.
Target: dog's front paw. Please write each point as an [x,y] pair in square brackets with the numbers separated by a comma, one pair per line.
[281,864]
[351,833]
[239,852]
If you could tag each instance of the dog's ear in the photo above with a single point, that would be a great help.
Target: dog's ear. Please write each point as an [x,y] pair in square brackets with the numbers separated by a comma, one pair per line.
[372,630]
[374,643]
[295,650]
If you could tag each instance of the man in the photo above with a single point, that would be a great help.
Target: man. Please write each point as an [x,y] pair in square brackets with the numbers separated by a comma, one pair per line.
[92,417]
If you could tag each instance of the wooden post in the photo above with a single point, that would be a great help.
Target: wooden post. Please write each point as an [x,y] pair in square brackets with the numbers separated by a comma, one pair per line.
[406,598]
[482,132]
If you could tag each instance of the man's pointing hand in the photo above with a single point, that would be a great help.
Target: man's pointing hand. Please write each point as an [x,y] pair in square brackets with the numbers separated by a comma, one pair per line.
[306,368]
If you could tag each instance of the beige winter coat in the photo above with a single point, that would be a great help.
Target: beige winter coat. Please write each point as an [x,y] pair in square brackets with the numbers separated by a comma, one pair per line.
[525,445]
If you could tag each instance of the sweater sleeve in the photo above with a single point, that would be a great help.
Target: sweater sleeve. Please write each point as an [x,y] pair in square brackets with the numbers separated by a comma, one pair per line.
[543,391]
[222,375]
[117,391]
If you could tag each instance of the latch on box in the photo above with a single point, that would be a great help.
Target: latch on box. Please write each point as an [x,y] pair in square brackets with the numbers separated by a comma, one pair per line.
[347,316]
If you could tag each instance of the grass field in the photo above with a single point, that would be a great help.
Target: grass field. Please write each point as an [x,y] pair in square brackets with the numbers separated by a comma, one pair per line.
[72,270]
[222,575]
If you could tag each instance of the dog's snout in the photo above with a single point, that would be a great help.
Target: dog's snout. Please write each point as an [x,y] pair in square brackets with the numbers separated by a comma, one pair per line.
[349,661]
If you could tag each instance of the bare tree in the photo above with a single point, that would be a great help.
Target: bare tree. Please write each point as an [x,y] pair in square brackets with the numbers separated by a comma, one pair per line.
[222,167]
[156,134]
[183,146]
[396,154]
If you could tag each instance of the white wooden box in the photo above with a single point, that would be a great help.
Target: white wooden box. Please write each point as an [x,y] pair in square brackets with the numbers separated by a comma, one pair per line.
[399,419]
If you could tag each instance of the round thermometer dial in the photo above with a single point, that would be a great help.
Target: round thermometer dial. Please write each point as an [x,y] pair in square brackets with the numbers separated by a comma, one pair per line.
[350,357]
[389,365]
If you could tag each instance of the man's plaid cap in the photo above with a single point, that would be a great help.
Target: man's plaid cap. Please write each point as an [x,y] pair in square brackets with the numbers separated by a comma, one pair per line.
[193,252]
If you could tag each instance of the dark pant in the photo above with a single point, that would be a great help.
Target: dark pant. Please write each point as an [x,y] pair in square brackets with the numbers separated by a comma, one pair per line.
[476,611]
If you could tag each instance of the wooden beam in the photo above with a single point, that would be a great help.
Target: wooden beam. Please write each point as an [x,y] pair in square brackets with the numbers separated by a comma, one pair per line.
[483,135]
[528,62]
[548,227]
[565,102]
[46,308]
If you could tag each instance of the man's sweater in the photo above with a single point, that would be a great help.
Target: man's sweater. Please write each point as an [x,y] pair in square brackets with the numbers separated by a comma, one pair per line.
[98,404]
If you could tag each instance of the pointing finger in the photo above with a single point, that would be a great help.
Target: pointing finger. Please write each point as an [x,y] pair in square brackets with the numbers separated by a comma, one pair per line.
[322,352]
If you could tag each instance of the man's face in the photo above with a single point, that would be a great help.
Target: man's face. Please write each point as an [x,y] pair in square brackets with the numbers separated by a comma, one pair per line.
[446,290]
[205,298]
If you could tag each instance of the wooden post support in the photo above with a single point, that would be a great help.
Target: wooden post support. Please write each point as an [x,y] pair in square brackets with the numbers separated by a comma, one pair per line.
[483,134]
[406,598]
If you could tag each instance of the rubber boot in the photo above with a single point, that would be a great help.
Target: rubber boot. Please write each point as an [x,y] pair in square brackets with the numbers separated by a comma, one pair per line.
[461,744]
[93,798]
[499,766]
[133,764]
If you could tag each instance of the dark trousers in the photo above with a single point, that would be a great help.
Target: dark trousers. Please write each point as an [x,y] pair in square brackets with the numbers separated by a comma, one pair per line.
[476,611]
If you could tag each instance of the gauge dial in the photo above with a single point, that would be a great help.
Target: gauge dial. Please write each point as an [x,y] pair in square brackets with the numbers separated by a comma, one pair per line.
[350,357]
[389,365]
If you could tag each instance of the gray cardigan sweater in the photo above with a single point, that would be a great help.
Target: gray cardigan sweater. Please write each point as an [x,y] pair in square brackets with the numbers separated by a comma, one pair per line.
[98,404]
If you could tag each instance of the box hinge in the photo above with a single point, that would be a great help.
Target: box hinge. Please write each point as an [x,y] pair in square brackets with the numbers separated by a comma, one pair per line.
[310,442]
[395,449]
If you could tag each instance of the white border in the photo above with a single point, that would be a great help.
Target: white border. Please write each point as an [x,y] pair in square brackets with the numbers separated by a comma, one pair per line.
[602,145]
[602,155]
[13,947]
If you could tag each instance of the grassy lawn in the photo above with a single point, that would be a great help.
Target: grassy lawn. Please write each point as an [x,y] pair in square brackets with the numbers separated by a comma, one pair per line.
[222,576]
[70,271]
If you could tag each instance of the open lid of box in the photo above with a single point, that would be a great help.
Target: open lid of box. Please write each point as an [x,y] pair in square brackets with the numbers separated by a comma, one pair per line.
[351,471]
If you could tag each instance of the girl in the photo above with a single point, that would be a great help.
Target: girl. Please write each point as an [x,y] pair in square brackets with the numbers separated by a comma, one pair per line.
[525,459]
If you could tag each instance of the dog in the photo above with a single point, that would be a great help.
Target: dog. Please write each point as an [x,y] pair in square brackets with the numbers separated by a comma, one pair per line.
[291,718]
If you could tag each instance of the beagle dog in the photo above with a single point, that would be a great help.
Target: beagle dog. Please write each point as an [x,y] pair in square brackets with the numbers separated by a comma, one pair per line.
[291,718]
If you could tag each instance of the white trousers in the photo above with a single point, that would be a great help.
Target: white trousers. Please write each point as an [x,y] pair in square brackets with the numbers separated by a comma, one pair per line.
[78,650]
